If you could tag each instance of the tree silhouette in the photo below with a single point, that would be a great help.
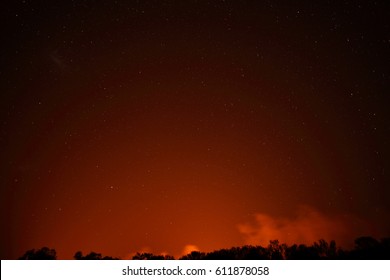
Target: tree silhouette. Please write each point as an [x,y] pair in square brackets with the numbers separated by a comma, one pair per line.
[150,256]
[252,253]
[366,248]
[44,253]
[92,256]
[326,250]
[194,255]
[275,250]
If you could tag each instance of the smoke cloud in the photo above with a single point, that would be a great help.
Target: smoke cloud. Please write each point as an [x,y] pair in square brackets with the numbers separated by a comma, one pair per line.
[308,226]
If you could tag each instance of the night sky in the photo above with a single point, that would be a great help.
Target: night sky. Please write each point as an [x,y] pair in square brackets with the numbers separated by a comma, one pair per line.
[170,126]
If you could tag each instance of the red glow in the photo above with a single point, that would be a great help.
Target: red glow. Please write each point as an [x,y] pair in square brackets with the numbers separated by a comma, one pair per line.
[190,127]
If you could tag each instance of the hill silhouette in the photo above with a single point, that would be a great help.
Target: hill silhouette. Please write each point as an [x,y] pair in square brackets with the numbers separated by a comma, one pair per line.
[366,248]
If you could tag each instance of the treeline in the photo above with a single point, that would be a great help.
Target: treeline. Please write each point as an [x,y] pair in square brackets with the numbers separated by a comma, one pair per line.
[366,248]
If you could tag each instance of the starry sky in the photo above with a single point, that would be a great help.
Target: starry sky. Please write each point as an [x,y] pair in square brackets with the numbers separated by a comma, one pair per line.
[171,126]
